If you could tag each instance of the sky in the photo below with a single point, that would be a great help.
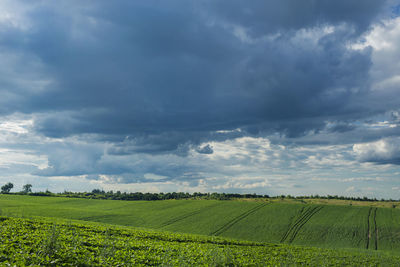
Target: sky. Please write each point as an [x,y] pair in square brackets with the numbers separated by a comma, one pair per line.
[267,97]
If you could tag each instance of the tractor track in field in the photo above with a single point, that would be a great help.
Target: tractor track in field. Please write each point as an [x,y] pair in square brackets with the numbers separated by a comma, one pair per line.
[375,230]
[294,229]
[237,219]
[187,215]
[289,228]
[372,229]
[368,227]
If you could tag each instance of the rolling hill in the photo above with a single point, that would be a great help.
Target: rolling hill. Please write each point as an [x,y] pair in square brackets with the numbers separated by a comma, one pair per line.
[308,224]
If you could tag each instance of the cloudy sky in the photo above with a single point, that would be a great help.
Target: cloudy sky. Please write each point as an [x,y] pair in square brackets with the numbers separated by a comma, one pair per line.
[269,97]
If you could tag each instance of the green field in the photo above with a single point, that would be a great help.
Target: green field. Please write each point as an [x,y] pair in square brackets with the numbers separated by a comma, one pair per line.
[320,225]
[33,242]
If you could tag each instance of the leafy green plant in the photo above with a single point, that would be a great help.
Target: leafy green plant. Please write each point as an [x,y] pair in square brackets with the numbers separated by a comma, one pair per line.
[44,242]
[51,243]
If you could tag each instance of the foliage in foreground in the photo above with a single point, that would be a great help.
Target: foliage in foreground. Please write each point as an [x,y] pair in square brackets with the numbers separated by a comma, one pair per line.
[43,242]
[330,226]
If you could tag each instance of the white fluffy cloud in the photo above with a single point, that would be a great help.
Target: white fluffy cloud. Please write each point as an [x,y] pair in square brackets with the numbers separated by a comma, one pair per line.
[385,151]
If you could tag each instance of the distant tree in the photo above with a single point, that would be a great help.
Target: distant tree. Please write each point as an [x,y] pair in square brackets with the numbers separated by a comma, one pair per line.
[97,191]
[27,188]
[5,189]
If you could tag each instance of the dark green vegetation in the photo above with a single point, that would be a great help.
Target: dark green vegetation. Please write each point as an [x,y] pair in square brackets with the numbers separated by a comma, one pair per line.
[6,188]
[370,233]
[331,226]
[118,195]
[43,242]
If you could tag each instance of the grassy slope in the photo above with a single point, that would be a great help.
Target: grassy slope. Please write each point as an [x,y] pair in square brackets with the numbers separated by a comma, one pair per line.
[149,214]
[388,221]
[44,242]
[207,221]
[294,222]
[268,223]
[336,226]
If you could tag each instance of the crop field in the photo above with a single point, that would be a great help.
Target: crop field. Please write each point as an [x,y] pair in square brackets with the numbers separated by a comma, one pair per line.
[62,243]
[319,225]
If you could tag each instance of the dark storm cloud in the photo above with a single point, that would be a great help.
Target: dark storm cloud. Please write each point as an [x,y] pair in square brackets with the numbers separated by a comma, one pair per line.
[207,149]
[170,74]
[273,16]
[175,142]
[342,128]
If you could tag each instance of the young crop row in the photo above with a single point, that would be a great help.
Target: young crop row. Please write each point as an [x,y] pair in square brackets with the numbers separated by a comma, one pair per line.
[303,218]
[235,220]
[42,242]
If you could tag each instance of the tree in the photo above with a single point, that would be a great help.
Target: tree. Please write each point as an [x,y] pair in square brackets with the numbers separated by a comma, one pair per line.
[27,188]
[5,189]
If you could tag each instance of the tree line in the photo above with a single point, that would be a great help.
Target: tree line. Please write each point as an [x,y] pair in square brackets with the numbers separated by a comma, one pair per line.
[118,195]
[5,189]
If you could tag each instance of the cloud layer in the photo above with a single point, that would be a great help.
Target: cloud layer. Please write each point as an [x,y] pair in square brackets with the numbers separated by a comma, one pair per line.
[129,90]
